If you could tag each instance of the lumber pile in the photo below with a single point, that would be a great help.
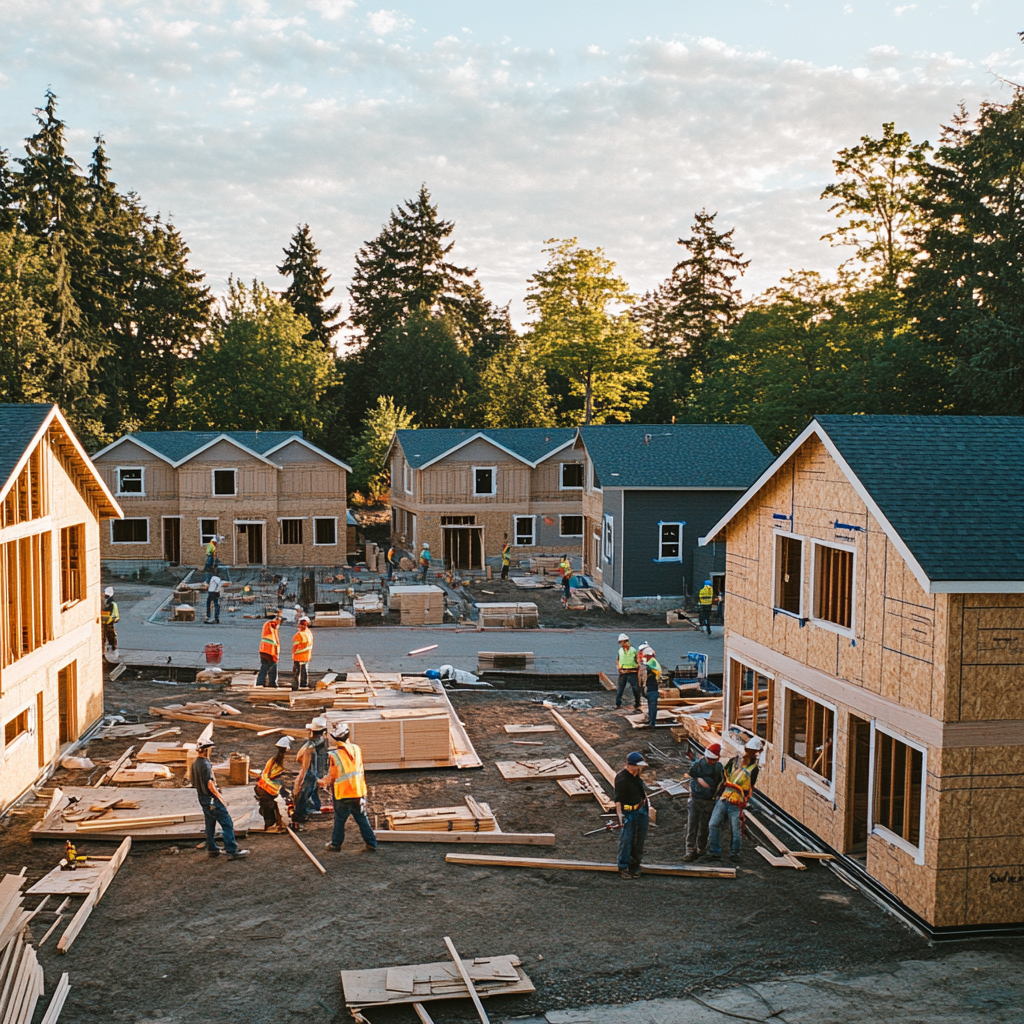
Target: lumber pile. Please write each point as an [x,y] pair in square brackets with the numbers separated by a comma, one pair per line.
[419,605]
[387,741]
[162,752]
[337,618]
[512,661]
[474,817]
[508,615]
[21,977]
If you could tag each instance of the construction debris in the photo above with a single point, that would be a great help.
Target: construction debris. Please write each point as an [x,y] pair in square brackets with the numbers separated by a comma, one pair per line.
[21,977]
[106,876]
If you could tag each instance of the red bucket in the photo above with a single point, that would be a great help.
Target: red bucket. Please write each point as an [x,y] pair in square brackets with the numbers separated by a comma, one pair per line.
[214,652]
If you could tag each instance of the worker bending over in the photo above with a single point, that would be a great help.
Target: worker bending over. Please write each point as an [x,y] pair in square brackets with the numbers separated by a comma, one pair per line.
[211,800]
[349,781]
[626,660]
[738,785]
[706,599]
[270,649]
[706,776]
[631,806]
[268,789]
[649,676]
[312,758]
[302,651]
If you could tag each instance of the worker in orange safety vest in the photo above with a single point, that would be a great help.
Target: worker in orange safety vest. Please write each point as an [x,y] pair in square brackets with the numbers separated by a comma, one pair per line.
[270,649]
[302,651]
[346,775]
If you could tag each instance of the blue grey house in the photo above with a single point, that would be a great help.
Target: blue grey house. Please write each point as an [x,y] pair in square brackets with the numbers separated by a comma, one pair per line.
[651,490]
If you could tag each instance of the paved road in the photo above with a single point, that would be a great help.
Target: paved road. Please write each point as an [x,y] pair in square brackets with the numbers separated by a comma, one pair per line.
[385,648]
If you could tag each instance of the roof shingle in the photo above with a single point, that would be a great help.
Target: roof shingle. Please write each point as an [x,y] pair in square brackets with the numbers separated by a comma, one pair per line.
[18,425]
[179,444]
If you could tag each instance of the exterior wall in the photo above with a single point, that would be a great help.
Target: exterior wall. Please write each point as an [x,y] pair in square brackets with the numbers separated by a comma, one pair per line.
[593,523]
[944,672]
[76,638]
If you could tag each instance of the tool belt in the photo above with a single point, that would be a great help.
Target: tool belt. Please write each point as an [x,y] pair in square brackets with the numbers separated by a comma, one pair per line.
[632,807]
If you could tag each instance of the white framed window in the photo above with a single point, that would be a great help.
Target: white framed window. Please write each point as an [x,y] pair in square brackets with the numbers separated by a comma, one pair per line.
[325,531]
[485,481]
[670,542]
[608,539]
[207,531]
[407,478]
[899,768]
[131,480]
[570,526]
[129,531]
[832,586]
[810,739]
[571,476]
[224,481]
[19,727]
[788,573]
[524,531]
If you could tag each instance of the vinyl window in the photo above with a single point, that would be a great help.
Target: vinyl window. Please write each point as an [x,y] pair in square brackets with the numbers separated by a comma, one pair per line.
[899,792]
[570,526]
[72,564]
[131,480]
[325,532]
[670,542]
[291,531]
[572,476]
[833,585]
[485,481]
[789,579]
[129,531]
[810,733]
[524,531]
[608,539]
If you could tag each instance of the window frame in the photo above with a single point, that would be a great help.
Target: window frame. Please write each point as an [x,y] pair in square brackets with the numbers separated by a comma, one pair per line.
[562,485]
[661,541]
[205,538]
[129,543]
[570,536]
[290,519]
[82,588]
[778,537]
[493,470]
[213,481]
[29,711]
[917,852]
[533,531]
[805,774]
[141,493]
[608,538]
[408,481]
[834,627]
[318,519]
[736,691]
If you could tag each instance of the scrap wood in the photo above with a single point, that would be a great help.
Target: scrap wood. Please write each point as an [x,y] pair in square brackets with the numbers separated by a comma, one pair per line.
[57,1000]
[467,980]
[788,857]
[532,771]
[606,682]
[225,723]
[598,761]
[50,930]
[113,769]
[607,804]
[529,728]
[423,650]
[305,849]
[96,894]
[686,870]
[421,1012]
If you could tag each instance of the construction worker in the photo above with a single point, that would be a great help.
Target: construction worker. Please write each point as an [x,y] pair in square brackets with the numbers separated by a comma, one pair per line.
[212,562]
[706,777]
[649,677]
[312,758]
[346,774]
[626,660]
[738,785]
[302,651]
[706,599]
[631,807]
[269,787]
[213,599]
[506,558]
[425,561]
[109,616]
[565,566]
[211,800]
[270,649]
[392,561]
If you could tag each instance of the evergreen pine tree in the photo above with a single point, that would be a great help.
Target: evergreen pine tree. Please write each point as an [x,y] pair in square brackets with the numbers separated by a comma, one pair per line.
[308,292]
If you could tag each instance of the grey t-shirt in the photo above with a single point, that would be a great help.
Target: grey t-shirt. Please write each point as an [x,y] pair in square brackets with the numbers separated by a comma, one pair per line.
[202,773]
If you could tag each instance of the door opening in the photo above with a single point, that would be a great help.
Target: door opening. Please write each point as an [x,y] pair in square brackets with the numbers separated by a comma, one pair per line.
[857,798]
[67,703]
[255,538]
[463,547]
[172,540]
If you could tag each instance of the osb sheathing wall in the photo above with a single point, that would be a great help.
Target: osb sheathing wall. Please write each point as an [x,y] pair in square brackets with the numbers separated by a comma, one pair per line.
[959,660]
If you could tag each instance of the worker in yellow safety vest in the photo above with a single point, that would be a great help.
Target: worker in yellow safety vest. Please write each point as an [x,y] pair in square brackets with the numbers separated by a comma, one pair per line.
[211,555]
[269,787]
[738,787]
[302,651]
[506,558]
[628,666]
[346,775]
[648,677]
[565,567]
[706,599]
[270,649]
[108,617]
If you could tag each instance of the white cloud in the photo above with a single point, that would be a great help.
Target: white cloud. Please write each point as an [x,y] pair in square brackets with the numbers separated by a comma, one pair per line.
[332,10]
[382,22]
[900,11]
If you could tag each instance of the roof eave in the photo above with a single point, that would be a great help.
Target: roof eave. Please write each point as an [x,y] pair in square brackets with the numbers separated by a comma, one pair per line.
[134,440]
[976,587]
[230,440]
[478,435]
[312,447]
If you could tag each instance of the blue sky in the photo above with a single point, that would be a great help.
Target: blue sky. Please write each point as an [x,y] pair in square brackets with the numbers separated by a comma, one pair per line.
[527,120]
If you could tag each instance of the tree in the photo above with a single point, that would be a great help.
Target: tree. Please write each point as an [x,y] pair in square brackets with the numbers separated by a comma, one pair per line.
[513,392]
[257,369]
[369,465]
[578,335]
[308,293]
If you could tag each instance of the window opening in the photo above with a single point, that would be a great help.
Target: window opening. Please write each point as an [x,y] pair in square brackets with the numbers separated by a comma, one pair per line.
[789,570]
[291,531]
[224,481]
[129,531]
[833,592]
[572,476]
[524,531]
[72,577]
[809,727]
[325,532]
[899,769]
[570,526]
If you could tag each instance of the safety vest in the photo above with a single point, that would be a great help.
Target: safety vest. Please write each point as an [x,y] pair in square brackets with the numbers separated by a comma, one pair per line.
[424,557]
[268,778]
[707,595]
[211,549]
[110,614]
[269,643]
[737,785]
[653,665]
[350,783]
[391,555]
[626,660]
[506,554]
[566,570]
[302,645]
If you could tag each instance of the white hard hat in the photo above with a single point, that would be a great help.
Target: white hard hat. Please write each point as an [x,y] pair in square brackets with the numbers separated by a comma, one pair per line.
[755,743]
[426,545]
[109,592]
[645,649]
[317,725]
[340,731]
[285,742]
[204,742]
[622,636]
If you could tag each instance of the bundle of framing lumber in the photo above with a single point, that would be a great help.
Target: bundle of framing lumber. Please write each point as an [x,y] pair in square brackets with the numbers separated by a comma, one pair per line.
[474,817]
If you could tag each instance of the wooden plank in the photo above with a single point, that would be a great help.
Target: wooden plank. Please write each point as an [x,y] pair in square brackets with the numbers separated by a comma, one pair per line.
[790,860]
[537,771]
[51,929]
[78,921]
[529,728]
[305,849]
[57,1000]
[576,789]
[606,682]
[544,863]
[225,723]
[474,838]
[598,761]
[607,804]
[484,1019]
[421,1012]
[112,770]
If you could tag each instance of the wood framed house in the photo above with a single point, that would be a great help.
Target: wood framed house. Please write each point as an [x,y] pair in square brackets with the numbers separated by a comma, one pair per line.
[462,491]
[275,498]
[651,490]
[875,639]
[51,654]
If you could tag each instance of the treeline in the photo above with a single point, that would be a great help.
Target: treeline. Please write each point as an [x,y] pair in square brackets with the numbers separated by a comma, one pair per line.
[101,312]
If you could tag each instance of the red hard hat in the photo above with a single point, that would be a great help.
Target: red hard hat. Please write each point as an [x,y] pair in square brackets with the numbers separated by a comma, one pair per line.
[713,751]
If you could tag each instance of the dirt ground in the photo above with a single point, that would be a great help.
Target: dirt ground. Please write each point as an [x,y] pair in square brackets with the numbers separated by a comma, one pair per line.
[182,939]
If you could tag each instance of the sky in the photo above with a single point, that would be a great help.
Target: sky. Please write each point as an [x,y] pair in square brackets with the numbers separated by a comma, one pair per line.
[609,122]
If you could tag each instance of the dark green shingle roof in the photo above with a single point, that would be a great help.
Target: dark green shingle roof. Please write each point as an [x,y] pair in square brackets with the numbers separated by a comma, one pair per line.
[676,454]
[179,444]
[18,425]
[952,487]
[529,443]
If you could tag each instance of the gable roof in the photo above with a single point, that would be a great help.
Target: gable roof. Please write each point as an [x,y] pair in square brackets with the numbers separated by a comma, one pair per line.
[22,427]
[711,456]
[531,445]
[947,490]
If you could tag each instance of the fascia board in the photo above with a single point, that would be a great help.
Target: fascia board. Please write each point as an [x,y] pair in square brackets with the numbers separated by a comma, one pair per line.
[20,465]
[478,435]
[134,440]
[312,448]
[230,440]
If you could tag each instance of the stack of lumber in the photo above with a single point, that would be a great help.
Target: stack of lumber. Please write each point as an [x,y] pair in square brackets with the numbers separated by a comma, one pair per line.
[515,661]
[368,604]
[210,708]
[586,598]
[508,615]
[419,605]
[474,817]
[397,741]
[21,977]
[546,563]
[333,618]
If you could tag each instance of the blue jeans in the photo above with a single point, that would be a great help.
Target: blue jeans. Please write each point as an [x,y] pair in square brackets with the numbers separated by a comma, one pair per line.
[632,839]
[214,601]
[724,812]
[216,814]
[267,675]
[342,809]
[631,678]
[652,708]
[308,798]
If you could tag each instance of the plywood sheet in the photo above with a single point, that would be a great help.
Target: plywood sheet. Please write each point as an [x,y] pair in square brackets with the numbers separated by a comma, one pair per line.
[537,770]
[79,882]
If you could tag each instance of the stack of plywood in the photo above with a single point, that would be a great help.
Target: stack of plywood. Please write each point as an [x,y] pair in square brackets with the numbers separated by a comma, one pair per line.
[419,605]
[396,741]
[519,661]
[508,615]
[159,752]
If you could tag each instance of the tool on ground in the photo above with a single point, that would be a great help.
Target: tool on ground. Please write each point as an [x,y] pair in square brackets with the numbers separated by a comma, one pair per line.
[72,858]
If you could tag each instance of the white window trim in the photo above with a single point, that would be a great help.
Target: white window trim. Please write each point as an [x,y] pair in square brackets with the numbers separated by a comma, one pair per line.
[494,482]
[408,481]
[515,530]
[679,557]
[131,494]
[776,533]
[213,481]
[608,538]
[561,476]
[129,543]
[832,627]
[917,852]
[30,707]
[216,532]
[727,679]
[810,778]
[569,516]
[318,545]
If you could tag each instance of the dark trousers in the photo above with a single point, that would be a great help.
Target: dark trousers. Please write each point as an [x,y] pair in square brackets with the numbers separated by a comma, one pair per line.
[652,708]
[632,839]
[308,799]
[216,814]
[267,675]
[424,570]
[504,570]
[213,601]
[110,635]
[698,816]
[268,808]
[705,617]
[566,588]
[624,678]
[342,810]
[300,675]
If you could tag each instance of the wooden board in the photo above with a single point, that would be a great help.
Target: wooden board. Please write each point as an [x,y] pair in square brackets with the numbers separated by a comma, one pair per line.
[576,789]
[537,770]
[77,923]
[517,729]
[665,718]
[596,759]
[544,863]
[475,838]
[79,882]
[606,802]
